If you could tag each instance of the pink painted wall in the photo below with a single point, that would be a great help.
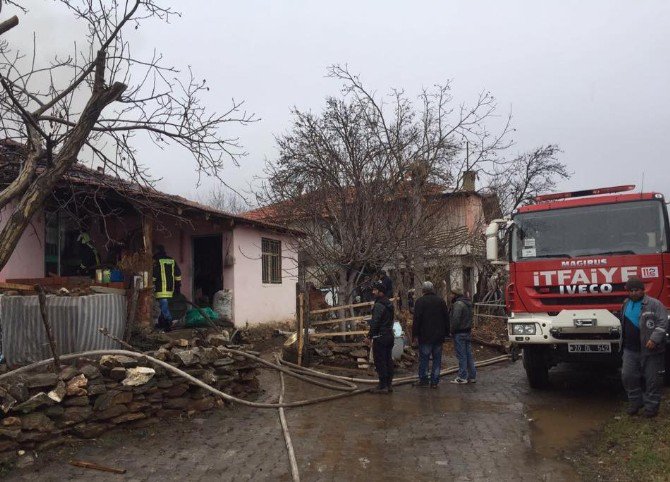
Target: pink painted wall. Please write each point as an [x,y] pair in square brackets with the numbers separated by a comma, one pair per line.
[255,302]
[179,244]
[27,260]
[474,213]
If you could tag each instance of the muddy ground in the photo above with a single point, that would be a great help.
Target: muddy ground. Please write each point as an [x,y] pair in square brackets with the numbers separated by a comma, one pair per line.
[496,429]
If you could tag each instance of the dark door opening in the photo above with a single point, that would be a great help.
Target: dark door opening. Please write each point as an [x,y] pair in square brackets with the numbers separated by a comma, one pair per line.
[207,268]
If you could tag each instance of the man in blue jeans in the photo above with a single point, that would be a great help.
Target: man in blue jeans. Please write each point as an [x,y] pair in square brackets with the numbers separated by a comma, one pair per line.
[461,326]
[167,282]
[429,328]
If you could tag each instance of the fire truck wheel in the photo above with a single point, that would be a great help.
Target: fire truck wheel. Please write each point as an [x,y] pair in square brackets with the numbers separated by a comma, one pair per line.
[537,368]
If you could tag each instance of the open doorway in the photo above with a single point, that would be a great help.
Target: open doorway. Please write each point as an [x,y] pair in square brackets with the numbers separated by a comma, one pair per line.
[207,268]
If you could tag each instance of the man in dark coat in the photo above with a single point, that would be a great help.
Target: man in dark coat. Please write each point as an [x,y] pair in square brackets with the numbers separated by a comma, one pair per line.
[429,329]
[461,327]
[381,336]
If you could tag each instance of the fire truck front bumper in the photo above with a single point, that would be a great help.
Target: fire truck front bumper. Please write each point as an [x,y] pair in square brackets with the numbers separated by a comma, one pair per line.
[576,328]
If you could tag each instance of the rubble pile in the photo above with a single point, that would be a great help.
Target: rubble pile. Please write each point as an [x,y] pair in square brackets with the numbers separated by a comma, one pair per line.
[491,332]
[81,290]
[355,355]
[45,409]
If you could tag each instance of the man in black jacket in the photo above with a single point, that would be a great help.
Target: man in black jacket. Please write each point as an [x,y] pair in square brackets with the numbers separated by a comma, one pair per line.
[429,329]
[381,335]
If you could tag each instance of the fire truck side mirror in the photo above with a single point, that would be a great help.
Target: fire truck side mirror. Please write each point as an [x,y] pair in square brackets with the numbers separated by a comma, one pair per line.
[495,233]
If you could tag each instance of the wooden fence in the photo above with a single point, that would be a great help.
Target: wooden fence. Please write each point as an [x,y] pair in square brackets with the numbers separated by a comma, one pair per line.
[313,319]
[489,310]
[350,325]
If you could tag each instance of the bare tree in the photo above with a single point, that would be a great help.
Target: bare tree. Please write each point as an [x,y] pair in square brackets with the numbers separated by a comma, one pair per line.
[93,102]
[516,183]
[226,199]
[364,179]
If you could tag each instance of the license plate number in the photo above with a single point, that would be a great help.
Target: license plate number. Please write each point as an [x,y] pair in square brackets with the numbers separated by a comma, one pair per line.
[589,348]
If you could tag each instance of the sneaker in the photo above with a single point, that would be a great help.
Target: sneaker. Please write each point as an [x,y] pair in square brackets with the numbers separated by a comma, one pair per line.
[472,380]
[421,384]
[433,385]
[389,388]
[459,381]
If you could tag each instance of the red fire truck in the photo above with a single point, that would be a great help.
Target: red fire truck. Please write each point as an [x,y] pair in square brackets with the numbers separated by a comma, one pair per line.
[569,256]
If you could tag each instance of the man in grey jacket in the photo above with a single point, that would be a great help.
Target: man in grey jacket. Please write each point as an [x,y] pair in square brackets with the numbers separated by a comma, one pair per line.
[460,321]
[644,321]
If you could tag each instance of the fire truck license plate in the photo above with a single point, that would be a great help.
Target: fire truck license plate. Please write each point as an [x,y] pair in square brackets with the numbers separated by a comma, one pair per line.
[589,348]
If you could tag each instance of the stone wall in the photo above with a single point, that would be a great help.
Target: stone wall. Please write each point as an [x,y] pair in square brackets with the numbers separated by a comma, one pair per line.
[83,400]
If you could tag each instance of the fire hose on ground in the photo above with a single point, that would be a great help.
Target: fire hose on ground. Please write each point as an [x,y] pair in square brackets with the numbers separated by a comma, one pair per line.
[347,385]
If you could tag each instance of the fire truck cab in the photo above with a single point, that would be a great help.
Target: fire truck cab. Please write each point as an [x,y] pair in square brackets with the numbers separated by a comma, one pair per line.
[569,256]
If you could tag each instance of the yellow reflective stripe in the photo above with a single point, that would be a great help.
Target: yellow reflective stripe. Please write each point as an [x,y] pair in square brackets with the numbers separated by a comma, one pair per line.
[164,292]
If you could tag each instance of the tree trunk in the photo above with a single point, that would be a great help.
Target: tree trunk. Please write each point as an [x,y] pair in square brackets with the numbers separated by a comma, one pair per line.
[36,194]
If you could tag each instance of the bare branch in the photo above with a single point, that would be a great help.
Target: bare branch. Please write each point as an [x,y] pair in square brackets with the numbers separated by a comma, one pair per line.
[54,109]
[9,24]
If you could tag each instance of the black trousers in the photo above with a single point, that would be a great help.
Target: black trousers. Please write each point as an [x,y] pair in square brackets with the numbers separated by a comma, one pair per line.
[381,351]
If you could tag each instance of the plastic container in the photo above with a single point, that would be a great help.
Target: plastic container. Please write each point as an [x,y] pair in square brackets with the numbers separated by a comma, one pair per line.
[398,342]
[115,275]
[398,347]
[222,303]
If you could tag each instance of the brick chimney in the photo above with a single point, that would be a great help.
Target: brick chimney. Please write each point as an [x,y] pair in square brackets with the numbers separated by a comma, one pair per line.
[469,178]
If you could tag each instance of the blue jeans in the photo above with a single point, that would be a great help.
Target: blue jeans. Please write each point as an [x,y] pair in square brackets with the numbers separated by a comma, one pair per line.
[466,362]
[165,319]
[426,351]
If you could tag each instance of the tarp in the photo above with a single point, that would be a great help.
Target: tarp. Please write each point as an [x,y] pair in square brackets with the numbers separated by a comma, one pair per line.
[74,319]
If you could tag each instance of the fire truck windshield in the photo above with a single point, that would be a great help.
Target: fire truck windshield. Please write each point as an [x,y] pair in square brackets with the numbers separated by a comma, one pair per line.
[637,227]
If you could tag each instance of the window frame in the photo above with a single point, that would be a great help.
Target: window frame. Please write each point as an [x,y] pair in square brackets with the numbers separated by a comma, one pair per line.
[271,273]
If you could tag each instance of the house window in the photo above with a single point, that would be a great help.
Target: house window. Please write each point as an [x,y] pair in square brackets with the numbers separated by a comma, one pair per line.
[62,255]
[271,250]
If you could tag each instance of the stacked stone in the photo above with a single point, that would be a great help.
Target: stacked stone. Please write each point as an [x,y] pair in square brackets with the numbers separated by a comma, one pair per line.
[82,401]
[349,356]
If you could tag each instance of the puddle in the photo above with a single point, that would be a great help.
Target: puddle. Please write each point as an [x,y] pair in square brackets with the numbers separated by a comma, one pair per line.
[559,428]
[578,404]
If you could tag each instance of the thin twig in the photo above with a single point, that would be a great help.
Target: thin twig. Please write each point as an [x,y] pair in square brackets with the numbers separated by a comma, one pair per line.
[106,332]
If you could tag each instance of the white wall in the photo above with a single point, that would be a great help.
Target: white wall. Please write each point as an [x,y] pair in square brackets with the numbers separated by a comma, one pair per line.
[253,301]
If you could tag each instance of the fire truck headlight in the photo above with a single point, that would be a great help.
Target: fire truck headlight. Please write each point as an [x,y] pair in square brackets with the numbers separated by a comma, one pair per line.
[523,329]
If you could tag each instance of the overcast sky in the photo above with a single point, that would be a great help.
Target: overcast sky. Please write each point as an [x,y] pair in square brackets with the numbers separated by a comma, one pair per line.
[592,77]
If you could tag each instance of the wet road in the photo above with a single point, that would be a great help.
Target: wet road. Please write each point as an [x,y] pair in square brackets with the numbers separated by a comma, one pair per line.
[497,429]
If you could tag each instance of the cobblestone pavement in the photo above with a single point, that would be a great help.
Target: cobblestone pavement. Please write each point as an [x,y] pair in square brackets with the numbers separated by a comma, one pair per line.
[496,429]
